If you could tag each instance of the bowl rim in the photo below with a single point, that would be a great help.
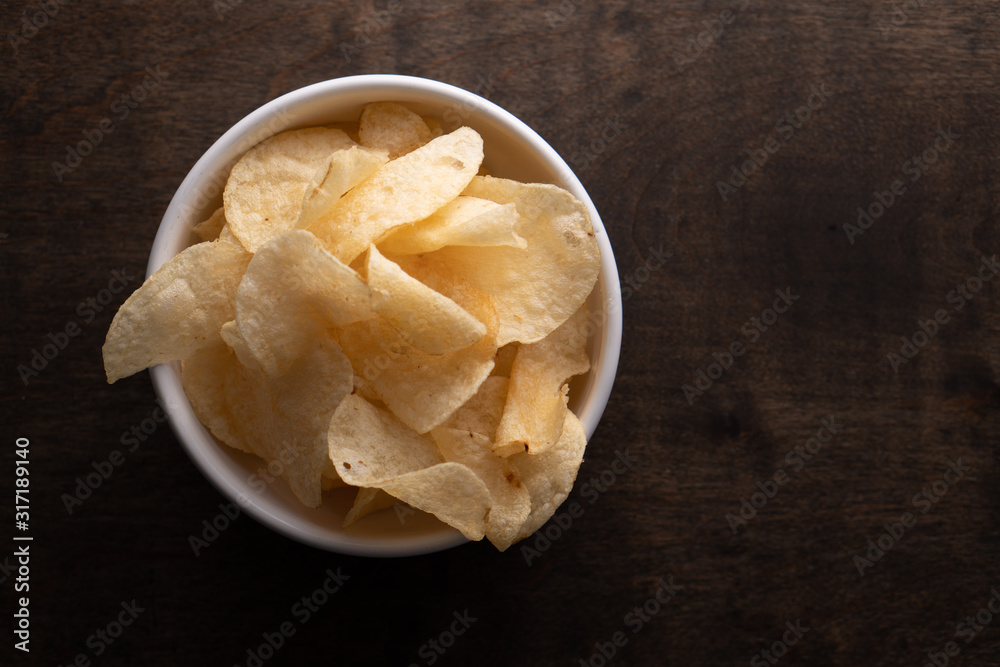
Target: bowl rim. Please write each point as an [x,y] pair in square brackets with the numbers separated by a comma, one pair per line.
[243,135]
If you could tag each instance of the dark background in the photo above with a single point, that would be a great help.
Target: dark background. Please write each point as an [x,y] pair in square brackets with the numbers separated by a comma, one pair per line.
[892,73]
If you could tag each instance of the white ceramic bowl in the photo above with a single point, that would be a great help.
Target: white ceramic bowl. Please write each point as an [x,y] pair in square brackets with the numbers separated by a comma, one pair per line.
[513,150]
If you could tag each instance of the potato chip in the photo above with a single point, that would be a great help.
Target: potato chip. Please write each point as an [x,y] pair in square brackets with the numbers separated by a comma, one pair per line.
[209,230]
[510,503]
[372,448]
[367,502]
[536,400]
[481,414]
[537,288]
[292,290]
[403,191]
[434,125]
[464,221]
[177,311]
[422,389]
[283,420]
[203,377]
[392,127]
[450,491]
[268,186]
[348,167]
[504,360]
[230,333]
[549,476]
[428,320]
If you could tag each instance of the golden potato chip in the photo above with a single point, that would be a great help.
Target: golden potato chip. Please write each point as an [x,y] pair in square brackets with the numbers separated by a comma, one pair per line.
[348,167]
[537,288]
[177,311]
[428,320]
[450,491]
[283,420]
[209,230]
[392,127]
[422,389]
[370,447]
[510,502]
[549,476]
[268,186]
[203,377]
[434,125]
[366,502]
[292,290]
[230,333]
[504,360]
[481,414]
[536,400]
[403,191]
[464,221]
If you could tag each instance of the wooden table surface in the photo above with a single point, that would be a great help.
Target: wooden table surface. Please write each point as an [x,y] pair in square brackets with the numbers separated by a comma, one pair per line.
[824,181]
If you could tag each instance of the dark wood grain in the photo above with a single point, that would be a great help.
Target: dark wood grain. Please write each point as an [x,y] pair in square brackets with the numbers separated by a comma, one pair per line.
[687,115]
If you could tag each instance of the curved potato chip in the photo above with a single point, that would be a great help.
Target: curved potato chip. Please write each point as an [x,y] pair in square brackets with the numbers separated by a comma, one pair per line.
[392,127]
[464,221]
[482,413]
[291,291]
[285,420]
[268,186]
[203,376]
[536,400]
[510,502]
[367,502]
[422,389]
[549,476]
[428,320]
[177,311]
[403,191]
[562,254]
[434,125]
[209,230]
[450,491]
[504,360]
[348,167]
[372,448]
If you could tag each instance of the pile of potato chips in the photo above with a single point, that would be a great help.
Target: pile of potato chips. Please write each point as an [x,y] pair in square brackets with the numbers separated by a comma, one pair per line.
[366,309]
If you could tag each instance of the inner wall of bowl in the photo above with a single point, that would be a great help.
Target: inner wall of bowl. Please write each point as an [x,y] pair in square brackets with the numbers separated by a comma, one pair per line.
[512,151]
